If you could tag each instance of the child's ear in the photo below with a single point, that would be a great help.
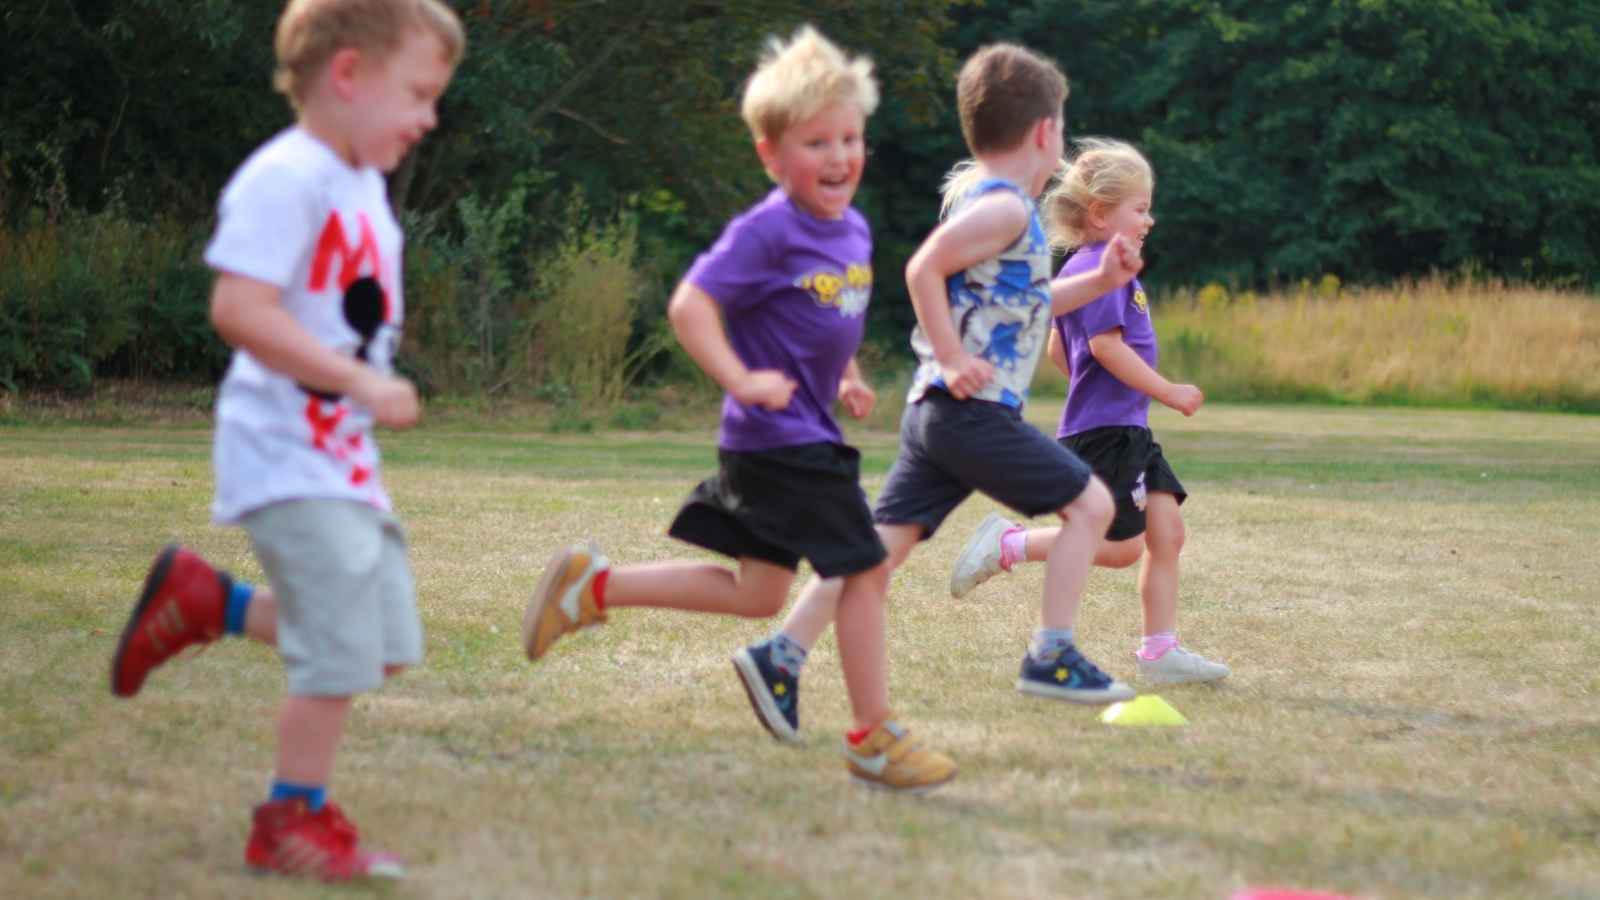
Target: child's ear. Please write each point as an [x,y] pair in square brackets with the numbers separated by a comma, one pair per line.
[343,67]
[767,150]
[1098,215]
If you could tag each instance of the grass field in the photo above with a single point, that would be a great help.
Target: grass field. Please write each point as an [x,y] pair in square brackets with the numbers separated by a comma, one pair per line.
[1407,598]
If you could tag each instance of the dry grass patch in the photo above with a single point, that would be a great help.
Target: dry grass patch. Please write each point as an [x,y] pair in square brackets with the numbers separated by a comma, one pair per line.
[1405,596]
[1433,342]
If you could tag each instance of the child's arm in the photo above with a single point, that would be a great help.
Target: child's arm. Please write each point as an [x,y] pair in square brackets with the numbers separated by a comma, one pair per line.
[979,232]
[857,396]
[1119,359]
[1118,264]
[249,315]
[698,324]
[1058,352]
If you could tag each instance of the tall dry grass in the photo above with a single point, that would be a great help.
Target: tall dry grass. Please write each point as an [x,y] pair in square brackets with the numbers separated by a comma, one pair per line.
[1436,341]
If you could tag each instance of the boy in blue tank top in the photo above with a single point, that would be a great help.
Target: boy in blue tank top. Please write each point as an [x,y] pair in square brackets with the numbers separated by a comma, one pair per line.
[1108,349]
[981,287]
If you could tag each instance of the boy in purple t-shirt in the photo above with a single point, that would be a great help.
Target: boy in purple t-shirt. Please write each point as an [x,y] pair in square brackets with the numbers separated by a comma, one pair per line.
[791,278]
[1108,350]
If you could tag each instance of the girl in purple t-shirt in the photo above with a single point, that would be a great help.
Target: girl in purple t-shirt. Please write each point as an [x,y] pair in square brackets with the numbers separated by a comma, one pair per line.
[1107,348]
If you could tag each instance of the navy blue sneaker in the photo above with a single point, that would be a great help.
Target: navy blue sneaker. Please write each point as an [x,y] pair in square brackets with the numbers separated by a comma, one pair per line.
[1068,675]
[773,692]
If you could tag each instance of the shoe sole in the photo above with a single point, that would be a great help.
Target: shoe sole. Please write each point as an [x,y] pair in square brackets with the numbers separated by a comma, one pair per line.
[544,595]
[1077,695]
[916,791]
[1181,679]
[152,581]
[755,688]
[974,546]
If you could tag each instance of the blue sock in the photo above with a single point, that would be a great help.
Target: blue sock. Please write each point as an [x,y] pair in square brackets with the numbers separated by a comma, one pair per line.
[239,597]
[315,795]
[786,654]
[1049,642]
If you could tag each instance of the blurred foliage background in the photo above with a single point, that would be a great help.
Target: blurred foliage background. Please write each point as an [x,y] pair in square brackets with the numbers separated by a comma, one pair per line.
[588,149]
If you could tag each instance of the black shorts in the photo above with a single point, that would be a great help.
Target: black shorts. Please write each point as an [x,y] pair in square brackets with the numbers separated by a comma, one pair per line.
[950,448]
[1128,459]
[784,505]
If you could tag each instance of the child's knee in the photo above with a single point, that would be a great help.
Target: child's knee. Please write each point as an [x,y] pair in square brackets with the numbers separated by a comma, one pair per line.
[1094,507]
[1164,530]
[1167,540]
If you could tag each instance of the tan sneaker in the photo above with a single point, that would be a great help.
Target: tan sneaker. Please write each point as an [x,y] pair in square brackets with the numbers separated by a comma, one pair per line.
[564,600]
[889,758]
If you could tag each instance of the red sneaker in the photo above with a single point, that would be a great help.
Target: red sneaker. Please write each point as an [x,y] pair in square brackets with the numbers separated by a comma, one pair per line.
[184,602]
[289,839]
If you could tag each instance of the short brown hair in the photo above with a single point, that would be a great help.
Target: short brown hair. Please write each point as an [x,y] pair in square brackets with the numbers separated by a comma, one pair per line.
[1002,91]
[310,32]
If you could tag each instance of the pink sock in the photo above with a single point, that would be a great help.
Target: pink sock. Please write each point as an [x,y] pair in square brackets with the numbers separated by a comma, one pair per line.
[1013,547]
[1155,646]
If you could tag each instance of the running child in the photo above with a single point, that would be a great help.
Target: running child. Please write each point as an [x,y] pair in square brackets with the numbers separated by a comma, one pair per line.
[307,254]
[791,278]
[980,284]
[1108,351]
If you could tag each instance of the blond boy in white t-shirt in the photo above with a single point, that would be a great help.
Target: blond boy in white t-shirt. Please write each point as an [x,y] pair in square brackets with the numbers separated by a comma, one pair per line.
[307,254]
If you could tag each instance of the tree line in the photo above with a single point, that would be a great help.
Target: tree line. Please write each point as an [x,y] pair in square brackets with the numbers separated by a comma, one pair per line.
[1366,139]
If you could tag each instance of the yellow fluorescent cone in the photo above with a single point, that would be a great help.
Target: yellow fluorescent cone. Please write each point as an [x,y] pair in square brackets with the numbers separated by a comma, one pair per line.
[1145,709]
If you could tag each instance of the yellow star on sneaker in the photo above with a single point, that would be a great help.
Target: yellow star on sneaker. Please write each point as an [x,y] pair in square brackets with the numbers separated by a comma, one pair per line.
[781,689]
[1062,674]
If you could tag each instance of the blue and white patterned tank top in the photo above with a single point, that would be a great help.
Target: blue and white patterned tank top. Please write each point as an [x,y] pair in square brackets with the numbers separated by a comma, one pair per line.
[1001,309]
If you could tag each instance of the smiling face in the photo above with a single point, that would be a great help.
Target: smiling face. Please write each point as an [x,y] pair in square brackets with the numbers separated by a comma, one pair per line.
[818,161]
[394,99]
[1130,218]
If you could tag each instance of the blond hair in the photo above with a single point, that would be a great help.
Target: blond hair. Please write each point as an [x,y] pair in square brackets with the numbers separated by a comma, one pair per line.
[1003,89]
[966,175]
[1104,172]
[310,32]
[798,79]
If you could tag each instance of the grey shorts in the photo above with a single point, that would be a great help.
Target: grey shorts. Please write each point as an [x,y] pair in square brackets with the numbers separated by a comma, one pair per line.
[950,448]
[347,603]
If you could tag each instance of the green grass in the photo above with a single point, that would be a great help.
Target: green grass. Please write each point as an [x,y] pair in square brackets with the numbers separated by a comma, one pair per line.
[1406,597]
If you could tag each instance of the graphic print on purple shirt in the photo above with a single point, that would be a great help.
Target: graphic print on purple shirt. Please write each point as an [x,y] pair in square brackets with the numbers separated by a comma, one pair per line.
[1096,398]
[793,290]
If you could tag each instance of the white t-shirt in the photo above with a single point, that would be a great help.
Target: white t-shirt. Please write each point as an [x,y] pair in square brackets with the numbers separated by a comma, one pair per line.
[297,216]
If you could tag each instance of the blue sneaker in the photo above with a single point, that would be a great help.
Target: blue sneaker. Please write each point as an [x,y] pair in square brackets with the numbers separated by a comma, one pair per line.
[1068,675]
[774,693]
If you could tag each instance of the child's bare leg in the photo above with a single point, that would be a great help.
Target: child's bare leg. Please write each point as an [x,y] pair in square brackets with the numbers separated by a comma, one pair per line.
[757,590]
[1083,525]
[1054,667]
[1161,659]
[862,656]
[818,605]
[309,729]
[1158,576]
[1110,555]
[816,609]
[261,618]
[860,629]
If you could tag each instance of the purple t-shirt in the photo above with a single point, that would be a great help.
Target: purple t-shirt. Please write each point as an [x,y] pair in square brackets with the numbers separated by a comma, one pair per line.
[1096,398]
[793,290]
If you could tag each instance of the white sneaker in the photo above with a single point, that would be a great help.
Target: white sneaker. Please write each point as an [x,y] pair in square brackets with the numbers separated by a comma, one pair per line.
[980,558]
[1179,666]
